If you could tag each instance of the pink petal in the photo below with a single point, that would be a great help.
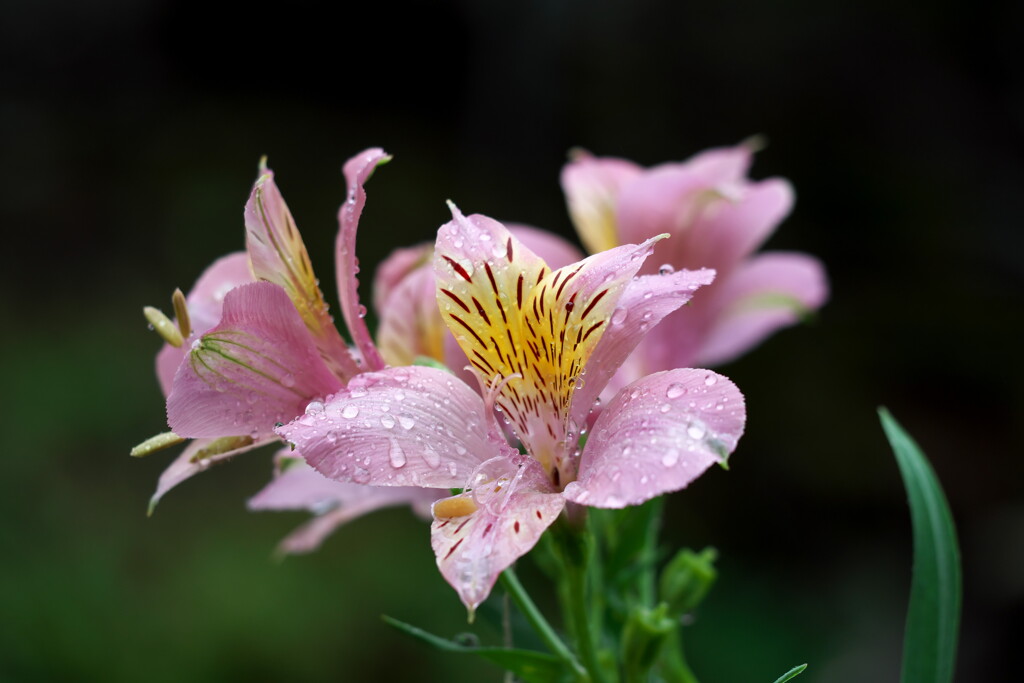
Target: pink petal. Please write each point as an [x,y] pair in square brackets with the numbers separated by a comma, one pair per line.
[357,171]
[728,230]
[410,324]
[715,215]
[556,251]
[184,468]
[592,188]
[768,292]
[413,426]
[335,503]
[720,165]
[167,362]
[206,300]
[657,435]
[643,304]
[278,255]
[395,268]
[473,550]
[663,199]
[259,366]
[204,303]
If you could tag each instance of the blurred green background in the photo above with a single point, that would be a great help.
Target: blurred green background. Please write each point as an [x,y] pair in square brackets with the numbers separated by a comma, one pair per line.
[129,137]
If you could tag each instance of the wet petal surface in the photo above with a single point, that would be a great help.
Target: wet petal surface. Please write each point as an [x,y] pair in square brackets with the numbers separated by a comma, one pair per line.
[258,367]
[411,426]
[656,436]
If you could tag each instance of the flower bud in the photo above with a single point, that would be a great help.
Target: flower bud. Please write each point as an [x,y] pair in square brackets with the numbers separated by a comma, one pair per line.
[687,579]
[645,632]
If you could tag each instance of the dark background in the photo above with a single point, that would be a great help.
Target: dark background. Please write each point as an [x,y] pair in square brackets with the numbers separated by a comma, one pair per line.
[129,137]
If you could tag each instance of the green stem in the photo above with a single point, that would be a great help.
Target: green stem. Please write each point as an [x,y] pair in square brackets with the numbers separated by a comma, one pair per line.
[580,616]
[575,549]
[674,666]
[522,599]
[649,553]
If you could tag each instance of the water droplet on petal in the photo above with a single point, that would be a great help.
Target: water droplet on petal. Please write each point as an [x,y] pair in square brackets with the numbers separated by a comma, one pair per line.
[396,455]
[675,390]
[619,316]
[665,407]
[387,421]
[406,422]
[349,411]
[670,458]
[710,380]
[666,269]
[696,430]
[453,469]
[288,380]
[432,457]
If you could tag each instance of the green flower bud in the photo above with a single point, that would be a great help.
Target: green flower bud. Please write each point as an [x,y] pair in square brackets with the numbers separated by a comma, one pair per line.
[687,579]
[645,632]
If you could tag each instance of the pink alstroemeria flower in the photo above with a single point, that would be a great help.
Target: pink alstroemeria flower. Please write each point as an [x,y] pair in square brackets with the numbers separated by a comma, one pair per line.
[544,343]
[263,349]
[717,218]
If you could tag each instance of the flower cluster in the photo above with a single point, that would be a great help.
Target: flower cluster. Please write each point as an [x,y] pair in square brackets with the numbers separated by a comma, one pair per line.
[568,384]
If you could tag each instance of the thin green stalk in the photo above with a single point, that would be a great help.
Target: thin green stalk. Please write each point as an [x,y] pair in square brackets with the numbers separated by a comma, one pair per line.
[525,604]
[674,666]
[649,553]
[580,616]
[575,548]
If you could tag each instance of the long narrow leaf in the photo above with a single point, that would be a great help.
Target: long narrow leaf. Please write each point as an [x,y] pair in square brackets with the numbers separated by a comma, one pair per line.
[791,674]
[933,616]
[527,665]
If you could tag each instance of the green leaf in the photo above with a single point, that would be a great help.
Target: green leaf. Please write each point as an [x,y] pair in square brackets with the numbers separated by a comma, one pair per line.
[528,665]
[933,617]
[791,674]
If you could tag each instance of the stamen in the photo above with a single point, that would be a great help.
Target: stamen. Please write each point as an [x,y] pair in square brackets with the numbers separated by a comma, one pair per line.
[156,443]
[222,445]
[164,327]
[181,313]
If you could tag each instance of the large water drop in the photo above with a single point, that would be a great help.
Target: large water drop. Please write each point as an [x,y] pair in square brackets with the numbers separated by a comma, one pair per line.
[675,390]
[396,455]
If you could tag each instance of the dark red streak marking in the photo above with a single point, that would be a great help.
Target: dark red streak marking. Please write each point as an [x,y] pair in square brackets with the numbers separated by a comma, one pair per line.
[457,544]
[459,269]
[592,328]
[456,299]
[565,282]
[593,302]
[480,310]
[490,276]
[470,329]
